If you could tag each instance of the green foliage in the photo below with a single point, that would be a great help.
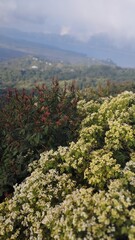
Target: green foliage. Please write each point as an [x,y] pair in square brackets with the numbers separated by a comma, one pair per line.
[31,124]
[100,79]
[86,190]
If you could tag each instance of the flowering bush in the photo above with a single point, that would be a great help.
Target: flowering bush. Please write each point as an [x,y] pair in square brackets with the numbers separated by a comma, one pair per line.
[32,123]
[86,190]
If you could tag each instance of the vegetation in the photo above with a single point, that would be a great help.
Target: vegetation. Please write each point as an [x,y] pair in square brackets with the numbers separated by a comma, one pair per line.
[32,123]
[30,70]
[67,151]
[85,190]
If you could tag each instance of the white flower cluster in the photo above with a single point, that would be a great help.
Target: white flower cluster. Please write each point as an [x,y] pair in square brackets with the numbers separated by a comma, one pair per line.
[85,191]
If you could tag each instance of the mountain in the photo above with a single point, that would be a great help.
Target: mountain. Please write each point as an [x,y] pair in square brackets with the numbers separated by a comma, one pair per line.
[14,47]
[65,46]
[6,53]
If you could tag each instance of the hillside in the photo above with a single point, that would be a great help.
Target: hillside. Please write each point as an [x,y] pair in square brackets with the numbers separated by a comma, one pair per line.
[30,47]
[99,46]
[25,72]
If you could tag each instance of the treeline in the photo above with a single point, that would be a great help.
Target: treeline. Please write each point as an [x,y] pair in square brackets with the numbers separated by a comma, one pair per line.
[28,71]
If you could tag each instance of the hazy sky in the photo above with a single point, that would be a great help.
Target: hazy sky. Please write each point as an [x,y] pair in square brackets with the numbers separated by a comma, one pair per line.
[81,18]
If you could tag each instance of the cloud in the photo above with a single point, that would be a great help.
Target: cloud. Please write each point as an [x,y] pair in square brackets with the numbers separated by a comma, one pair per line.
[82,18]
[6,11]
[64,30]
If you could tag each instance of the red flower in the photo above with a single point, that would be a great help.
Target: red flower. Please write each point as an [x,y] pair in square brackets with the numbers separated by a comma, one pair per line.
[47,114]
[43,119]
[58,123]
[41,100]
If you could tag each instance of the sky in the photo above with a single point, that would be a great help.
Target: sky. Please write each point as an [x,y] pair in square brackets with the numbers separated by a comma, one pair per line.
[80,18]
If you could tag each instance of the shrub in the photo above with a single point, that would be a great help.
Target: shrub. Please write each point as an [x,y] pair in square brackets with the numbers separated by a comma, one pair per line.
[84,191]
[32,123]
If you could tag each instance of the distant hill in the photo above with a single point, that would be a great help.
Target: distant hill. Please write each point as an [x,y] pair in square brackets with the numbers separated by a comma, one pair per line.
[99,46]
[6,54]
[12,46]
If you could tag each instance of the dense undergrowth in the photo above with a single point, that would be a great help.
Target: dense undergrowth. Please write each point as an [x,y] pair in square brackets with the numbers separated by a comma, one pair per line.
[84,191]
[31,123]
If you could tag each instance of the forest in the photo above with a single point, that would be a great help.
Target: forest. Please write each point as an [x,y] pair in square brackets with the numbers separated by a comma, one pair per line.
[26,72]
[67,151]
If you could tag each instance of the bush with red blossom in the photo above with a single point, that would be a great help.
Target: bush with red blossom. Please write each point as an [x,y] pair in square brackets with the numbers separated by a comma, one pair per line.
[32,123]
